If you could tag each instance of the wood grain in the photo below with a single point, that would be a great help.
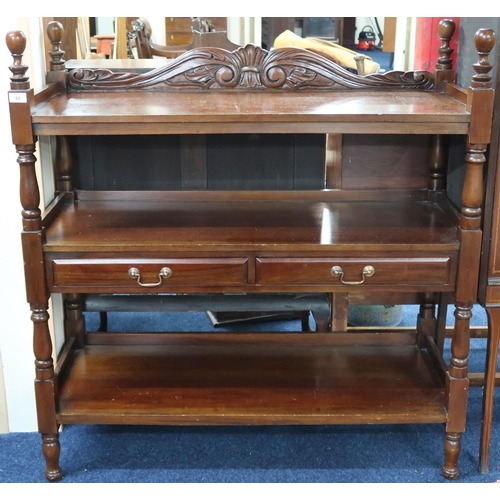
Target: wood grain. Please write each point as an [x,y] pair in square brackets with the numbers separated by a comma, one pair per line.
[255,384]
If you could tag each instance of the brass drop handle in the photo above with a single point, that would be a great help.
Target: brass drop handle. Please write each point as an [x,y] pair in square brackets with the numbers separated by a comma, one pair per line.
[367,272]
[165,272]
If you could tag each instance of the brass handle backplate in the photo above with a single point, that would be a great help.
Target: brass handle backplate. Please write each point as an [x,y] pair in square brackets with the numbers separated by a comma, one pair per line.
[367,272]
[165,272]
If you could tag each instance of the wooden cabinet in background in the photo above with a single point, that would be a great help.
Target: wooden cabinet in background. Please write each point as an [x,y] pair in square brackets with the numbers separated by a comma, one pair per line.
[329,28]
[178,30]
[489,285]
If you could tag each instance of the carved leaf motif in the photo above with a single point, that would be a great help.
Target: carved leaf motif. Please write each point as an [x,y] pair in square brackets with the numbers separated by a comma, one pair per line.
[204,76]
[248,67]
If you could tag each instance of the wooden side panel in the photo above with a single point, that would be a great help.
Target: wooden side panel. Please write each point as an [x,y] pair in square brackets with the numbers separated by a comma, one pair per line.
[333,161]
[241,162]
[127,162]
[265,161]
[20,116]
[34,272]
[481,103]
[309,162]
[217,162]
[193,162]
[490,258]
[384,162]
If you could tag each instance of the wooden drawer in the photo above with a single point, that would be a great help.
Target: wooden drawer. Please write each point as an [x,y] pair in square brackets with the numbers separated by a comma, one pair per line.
[151,274]
[179,24]
[397,271]
[179,30]
[178,38]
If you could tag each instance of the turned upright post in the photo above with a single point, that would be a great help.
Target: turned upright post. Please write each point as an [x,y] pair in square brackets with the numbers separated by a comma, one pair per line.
[437,159]
[480,105]
[444,70]
[57,73]
[20,102]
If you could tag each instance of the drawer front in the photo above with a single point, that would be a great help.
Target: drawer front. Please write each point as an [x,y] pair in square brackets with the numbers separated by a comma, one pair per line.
[148,273]
[347,271]
[174,39]
[179,23]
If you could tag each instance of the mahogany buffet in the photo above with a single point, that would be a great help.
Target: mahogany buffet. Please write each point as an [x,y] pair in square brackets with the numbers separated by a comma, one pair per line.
[252,174]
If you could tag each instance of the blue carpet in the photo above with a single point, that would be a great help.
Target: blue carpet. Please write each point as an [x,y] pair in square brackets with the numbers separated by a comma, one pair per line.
[256,454]
[385,59]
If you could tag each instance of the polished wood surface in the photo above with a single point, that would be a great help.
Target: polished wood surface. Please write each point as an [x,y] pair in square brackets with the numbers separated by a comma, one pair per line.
[115,272]
[410,271]
[257,383]
[240,225]
[166,107]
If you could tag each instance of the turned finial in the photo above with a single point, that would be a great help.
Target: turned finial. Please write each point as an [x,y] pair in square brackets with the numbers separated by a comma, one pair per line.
[16,43]
[55,32]
[446,29]
[485,41]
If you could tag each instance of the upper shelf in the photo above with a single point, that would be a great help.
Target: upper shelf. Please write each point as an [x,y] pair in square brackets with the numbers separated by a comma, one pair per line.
[230,112]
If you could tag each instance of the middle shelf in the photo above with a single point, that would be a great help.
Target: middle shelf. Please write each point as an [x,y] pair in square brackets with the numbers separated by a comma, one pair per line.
[248,221]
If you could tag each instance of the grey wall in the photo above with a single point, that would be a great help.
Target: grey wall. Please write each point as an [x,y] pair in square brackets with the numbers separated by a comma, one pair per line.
[467,55]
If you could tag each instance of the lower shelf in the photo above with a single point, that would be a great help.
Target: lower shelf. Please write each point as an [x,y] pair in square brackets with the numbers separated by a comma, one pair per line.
[250,384]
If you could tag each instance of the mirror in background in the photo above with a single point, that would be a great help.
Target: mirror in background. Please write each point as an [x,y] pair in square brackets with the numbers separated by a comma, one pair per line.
[389,41]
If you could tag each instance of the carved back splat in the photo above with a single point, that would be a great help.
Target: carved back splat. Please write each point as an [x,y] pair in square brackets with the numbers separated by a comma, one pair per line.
[248,67]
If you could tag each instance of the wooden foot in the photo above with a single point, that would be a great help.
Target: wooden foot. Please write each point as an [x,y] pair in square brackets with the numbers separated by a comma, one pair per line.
[51,450]
[451,452]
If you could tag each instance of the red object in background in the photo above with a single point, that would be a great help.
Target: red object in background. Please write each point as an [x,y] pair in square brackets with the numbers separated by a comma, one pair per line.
[104,43]
[428,42]
[366,39]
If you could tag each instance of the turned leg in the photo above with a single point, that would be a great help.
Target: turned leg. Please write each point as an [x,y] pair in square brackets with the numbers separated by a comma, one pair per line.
[451,452]
[51,450]
[489,386]
[304,318]
[426,321]
[45,390]
[103,321]
[74,322]
[322,314]
[37,295]
[457,389]
[322,317]
[339,312]
[444,300]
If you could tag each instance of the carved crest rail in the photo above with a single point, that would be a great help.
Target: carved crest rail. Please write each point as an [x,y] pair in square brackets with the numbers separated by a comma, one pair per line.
[248,67]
